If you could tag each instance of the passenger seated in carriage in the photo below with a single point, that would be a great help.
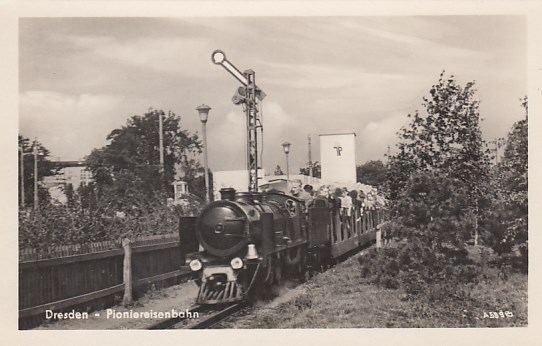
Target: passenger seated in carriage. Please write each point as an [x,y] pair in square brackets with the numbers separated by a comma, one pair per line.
[297,191]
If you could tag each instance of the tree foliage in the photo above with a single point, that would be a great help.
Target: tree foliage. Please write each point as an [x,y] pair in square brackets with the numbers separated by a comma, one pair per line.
[371,173]
[316,170]
[507,220]
[436,209]
[278,171]
[109,219]
[447,140]
[134,151]
[438,181]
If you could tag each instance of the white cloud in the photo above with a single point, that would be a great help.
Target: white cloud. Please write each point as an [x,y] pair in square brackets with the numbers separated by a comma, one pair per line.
[227,137]
[374,138]
[70,126]
[312,76]
[162,54]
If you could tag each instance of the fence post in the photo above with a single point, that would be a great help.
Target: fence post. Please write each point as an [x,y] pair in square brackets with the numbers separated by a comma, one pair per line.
[378,237]
[127,272]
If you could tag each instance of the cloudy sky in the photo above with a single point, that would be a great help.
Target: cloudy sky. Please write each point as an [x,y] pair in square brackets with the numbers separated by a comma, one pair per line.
[80,78]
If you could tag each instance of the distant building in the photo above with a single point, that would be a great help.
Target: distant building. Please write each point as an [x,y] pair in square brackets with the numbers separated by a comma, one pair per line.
[69,172]
[338,157]
[180,189]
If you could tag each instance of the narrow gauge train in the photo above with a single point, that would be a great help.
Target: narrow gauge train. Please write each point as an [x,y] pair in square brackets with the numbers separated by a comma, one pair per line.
[249,240]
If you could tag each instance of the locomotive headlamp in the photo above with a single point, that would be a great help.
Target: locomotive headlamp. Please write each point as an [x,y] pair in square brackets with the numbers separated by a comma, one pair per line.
[251,252]
[195,265]
[236,263]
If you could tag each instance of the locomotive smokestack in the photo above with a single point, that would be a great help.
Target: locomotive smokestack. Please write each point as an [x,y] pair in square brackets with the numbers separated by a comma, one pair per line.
[227,193]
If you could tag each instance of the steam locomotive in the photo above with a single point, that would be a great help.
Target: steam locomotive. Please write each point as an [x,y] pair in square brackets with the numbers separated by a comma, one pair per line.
[248,241]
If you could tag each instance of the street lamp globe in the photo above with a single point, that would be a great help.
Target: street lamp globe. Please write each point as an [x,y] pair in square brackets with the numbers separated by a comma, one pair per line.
[203,113]
[286,147]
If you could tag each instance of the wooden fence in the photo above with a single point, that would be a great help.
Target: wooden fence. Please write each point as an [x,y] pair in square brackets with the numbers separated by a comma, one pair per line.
[91,277]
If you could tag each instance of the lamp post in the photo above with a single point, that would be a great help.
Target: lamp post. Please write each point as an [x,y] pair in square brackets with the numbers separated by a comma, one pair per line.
[203,116]
[35,152]
[21,150]
[161,148]
[286,147]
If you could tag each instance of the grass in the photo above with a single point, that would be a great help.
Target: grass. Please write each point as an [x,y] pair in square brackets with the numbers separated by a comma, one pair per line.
[340,298]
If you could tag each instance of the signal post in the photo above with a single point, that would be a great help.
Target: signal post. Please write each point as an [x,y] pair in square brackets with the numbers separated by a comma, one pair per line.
[247,95]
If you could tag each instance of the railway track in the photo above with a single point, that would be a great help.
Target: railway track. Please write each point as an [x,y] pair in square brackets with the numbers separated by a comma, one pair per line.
[211,319]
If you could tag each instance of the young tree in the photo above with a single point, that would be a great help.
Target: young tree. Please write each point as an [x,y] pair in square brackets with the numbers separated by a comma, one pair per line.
[507,220]
[447,141]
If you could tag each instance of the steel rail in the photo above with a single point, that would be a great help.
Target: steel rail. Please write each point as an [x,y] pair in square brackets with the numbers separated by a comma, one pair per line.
[219,316]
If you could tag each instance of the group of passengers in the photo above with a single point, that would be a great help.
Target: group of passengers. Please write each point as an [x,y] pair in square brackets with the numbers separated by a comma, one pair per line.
[341,201]
[340,198]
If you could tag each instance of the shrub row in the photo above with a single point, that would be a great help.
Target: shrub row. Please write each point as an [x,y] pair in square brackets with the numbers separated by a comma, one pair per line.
[416,267]
[57,225]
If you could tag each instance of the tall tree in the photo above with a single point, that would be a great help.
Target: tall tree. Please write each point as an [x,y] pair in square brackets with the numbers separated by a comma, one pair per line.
[371,173]
[446,141]
[507,221]
[134,150]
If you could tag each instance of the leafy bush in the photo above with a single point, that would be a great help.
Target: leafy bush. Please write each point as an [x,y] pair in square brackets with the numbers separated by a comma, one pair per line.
[418,269]
[436,209]
[108,219]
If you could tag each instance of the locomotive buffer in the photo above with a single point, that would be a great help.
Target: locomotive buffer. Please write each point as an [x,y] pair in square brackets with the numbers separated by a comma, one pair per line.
[248,95]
